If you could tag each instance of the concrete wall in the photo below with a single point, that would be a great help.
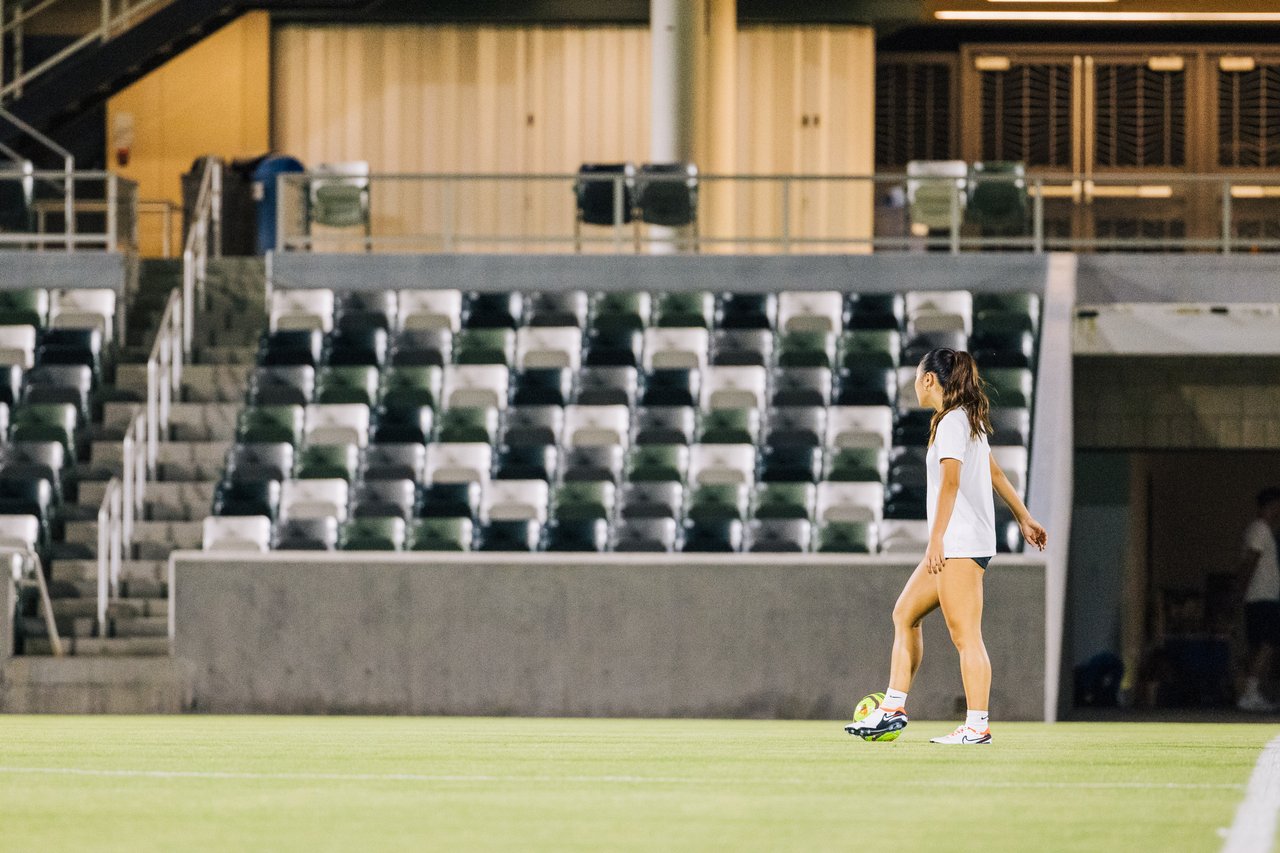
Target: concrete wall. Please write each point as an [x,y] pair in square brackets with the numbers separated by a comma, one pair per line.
[7,604]
[619,635]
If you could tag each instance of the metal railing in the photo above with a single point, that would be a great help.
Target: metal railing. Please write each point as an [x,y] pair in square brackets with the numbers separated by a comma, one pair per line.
[114,17]
[28,570]
[164,379]
[1036,212]
[110,546]
[203,238]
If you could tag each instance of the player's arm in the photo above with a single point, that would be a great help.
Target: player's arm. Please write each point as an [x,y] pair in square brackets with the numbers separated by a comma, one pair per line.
[947,490]
[1032,530]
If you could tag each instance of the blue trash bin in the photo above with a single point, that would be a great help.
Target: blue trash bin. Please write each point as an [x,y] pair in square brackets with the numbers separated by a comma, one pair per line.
[264,196]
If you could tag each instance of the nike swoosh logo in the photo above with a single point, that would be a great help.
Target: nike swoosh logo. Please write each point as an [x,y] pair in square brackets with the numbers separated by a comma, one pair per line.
[967,739]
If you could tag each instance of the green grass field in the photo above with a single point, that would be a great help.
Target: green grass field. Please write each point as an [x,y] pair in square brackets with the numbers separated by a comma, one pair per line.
[324,783]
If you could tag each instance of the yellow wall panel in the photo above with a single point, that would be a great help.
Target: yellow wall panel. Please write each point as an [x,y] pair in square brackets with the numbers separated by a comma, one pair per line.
[181,111]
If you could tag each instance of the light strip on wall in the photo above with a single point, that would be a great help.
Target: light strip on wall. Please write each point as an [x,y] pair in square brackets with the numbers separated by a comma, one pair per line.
[1111,17]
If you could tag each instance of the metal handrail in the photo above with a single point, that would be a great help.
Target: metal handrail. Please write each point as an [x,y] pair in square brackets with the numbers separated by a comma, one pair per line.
[32,565]
[110,544]
[195,252]
[68,163]
[164,378]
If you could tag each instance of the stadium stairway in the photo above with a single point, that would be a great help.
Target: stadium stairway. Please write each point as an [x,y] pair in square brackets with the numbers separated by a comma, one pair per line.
[201,426]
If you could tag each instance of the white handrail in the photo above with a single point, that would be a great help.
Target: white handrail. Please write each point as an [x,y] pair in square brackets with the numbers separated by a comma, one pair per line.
[164,377]
[195,252]
[110,542]
[31,564]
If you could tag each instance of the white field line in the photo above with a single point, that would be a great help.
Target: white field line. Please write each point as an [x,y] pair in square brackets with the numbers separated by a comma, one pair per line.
[626,780]
[1254,828]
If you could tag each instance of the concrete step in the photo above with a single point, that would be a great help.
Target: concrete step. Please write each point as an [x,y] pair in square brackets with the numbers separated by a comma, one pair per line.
[91,492]
[223,353]
[34,627]
[155,540]
[186,461]
[74,608]
[132,377]
[106,457]
[84,571]
[83,533]
[215,383]
[203,421]
[138,608]
[141,626]
[96,685]
[179,501]
[102,646]
[118,415]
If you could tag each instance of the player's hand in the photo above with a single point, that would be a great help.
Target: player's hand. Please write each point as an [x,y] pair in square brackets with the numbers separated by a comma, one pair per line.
[933,559]
[1034,532]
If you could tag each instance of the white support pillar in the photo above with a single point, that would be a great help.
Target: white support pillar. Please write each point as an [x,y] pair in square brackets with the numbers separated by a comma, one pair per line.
[676,29]
[722,116]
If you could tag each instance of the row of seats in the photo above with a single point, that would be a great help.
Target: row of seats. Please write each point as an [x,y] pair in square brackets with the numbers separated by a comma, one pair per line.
[797,311]
[630,535]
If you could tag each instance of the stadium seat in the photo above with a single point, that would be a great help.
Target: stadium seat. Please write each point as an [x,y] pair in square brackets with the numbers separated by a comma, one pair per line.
[664,425]
[906,379]
[590,535]
[607,386]
[935,194]
[850,502]
[398,423]
[557,308]
[784,500]
[904,537]
[367,308]
[292,346]
[548,346]
[45,460]
[859,426]
[931,311]
[510,535]
[301,499]
[997,198]
[715,501]
[652,500]
[466,424]
[746,311]
[261,497]
[620,310]
[882,311]
[801,386]
[612,346]
[593,463]
[1012,427]
[254,462]
[657,535]
[236,533]
[1003,349]
[18,345]
[527,462]
[348,384]
[870,348]
[411,385]
[440,534]
[790,463]
[718,536]
[685,309]
[1013,461]
[1008,387]
[605,194]
[46,422]
[596,426]
[542,386]
[919,345]
[84,308]
[846,537]
[811,311]
[385,498]
[26,496]
[742,348]
[485,346]
[430,309]
[779,536]
[393,461]
[282,385]
[911,427]
[450,500]
[71,346]
[806,349]
[22,531]
[337,423]
[857,465]
[722,463]
[59,383]
[476,385]
[1006,312]
[533,425]
[372,534]
[675,348]
[583,500]
[29,307]
[495,310]
[649,463]
[301,310]
[327,462]
[730,426]
[667,194]
[672,387]
[458,463]
[422,347]
[734,388]
[306,534]
[866,387]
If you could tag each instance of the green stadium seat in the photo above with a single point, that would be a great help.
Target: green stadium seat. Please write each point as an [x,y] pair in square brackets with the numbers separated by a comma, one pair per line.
[719,501]
[440,534]
[271,423]
[327,461]
[997,202]
[857,465]
[684,309]
[658,463]
[784,500]
[1008,387]
[583,500]
[467,425]
[485,346]
[348,384]
[845,537]
[582,535]
[730,426]
[870,348]
[806,349]
[620,310]
[411,385]
[372,534]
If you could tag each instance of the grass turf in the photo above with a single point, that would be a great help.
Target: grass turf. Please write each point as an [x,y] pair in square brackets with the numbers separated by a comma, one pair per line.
[325,783]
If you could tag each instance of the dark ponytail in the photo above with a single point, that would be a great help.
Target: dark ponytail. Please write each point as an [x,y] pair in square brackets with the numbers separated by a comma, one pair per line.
[957,373]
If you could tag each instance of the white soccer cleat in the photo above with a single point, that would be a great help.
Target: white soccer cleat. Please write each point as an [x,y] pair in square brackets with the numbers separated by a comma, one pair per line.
[1256,703]
[880,724]
[964,735]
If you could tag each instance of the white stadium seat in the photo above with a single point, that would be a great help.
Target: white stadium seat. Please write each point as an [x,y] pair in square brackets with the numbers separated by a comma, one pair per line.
[818,311]
[462,462]
[237,533]
[939,311]
[302,309]
[734,387]
[475,386]
[860,426]
[549,346]
[337,423]
[722,463]
[431,309]
[675,348]
[514,500]
[596,426]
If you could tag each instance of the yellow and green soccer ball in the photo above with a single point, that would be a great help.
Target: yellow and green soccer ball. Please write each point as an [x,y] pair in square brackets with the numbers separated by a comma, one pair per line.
[868,704]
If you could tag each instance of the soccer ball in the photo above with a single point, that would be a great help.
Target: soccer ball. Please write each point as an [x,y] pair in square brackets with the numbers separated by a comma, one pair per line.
[868,704]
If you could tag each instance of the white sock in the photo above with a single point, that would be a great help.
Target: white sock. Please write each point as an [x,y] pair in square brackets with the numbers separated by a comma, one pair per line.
[976,720]
[894,699]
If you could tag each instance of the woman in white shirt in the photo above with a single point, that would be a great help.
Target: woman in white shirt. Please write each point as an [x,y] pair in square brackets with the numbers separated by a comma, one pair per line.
[961,475]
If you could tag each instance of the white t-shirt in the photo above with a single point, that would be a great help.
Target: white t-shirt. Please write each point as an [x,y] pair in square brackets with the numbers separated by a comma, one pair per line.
[1265,583]
[971,532]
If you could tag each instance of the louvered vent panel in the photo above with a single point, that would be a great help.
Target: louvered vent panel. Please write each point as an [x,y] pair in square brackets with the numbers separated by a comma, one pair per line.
[1249,117]
[1139,117]
[1026,115]
[913,113]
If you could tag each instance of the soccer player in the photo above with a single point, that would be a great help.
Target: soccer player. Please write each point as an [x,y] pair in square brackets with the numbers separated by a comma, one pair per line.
[960,476]
[1262,598]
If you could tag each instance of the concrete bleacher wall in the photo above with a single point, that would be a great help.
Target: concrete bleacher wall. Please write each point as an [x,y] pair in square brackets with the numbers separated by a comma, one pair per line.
[8,603]
[613,635]
[64,270]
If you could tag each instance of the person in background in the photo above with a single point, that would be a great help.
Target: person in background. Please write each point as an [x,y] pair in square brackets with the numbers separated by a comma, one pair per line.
[1259,563]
